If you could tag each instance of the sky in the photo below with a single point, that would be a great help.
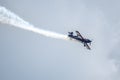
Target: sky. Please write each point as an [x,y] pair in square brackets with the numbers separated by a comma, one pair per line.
[25,55]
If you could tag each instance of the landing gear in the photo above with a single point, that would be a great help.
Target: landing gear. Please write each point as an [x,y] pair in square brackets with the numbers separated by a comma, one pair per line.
[84,44]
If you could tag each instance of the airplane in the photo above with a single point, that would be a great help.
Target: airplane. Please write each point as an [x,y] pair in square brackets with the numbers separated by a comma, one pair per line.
[80,38]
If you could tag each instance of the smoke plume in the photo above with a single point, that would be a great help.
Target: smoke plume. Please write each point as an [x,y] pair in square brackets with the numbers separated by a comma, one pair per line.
[8,17]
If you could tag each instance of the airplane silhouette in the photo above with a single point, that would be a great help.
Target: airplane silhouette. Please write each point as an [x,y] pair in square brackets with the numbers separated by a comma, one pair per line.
[80,38]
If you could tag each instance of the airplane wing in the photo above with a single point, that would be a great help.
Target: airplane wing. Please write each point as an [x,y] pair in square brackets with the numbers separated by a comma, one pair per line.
[78,34]
[87,46]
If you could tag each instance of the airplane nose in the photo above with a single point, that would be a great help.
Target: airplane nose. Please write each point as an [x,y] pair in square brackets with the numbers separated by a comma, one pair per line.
[89,41]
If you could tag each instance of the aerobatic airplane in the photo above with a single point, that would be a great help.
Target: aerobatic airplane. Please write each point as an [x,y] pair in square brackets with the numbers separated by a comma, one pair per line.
[80,38]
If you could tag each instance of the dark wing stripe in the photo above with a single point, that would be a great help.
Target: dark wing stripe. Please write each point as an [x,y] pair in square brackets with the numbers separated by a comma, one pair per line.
[87,46]
[78,34]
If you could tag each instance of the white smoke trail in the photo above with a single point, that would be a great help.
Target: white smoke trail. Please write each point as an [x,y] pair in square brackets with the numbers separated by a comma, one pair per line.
[8,17]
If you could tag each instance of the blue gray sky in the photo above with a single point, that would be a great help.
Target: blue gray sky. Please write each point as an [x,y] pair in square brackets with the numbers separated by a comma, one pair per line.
[26,55]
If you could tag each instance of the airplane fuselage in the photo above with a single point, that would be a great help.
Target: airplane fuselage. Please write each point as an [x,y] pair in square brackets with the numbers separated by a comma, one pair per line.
[79,39]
